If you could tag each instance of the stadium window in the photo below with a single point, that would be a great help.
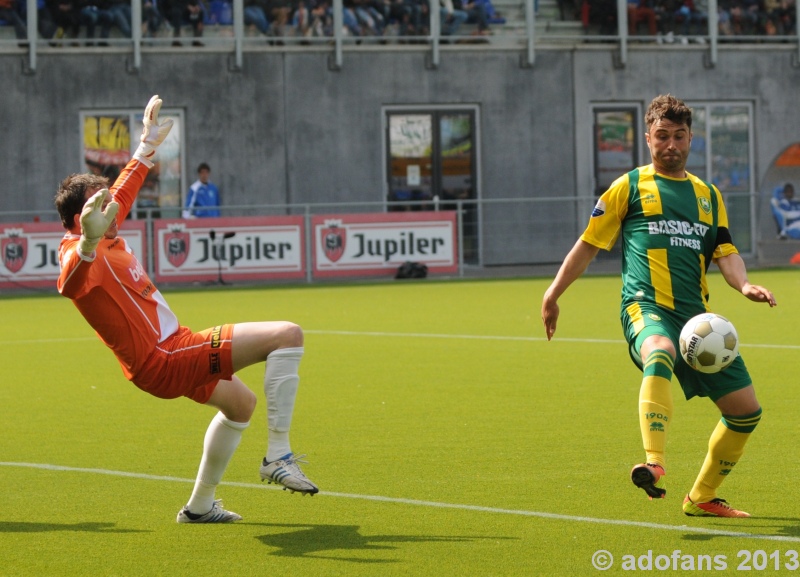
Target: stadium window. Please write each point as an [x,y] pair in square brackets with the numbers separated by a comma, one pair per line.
[431,163]
[108,145]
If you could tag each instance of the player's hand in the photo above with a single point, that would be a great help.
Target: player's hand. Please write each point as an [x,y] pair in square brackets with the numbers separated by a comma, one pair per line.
[550,312]
[759,294]
[153,132]
[95,220]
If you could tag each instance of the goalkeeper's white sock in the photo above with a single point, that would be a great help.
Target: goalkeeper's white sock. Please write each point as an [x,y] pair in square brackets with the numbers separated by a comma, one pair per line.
[221,440]
[280,387]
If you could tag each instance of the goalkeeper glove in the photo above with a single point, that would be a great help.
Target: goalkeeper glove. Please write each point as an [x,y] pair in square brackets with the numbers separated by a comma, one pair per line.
[153,133]
[95,221]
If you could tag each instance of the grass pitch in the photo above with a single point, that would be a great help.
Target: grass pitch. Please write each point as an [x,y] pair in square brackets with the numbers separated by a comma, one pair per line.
[447,437]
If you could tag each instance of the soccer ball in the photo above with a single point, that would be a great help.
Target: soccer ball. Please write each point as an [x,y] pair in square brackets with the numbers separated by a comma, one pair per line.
[709,343]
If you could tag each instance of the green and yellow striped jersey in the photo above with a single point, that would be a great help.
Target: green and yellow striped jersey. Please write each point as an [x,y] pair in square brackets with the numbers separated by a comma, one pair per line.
[671,229]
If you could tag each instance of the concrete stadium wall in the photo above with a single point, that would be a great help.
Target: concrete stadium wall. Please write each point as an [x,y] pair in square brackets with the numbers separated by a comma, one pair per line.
[287,129]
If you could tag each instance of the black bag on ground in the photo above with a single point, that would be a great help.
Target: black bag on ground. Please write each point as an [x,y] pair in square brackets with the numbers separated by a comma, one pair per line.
[411,270]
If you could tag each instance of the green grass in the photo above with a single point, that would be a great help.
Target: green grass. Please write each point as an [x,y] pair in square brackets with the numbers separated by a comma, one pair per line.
[447,436]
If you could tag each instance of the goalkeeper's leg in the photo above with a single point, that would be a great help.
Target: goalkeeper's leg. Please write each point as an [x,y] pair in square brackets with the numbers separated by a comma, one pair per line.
[236,404]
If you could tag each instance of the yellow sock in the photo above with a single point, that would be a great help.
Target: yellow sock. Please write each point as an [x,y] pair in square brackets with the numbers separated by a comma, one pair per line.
[725,448]
[655,405]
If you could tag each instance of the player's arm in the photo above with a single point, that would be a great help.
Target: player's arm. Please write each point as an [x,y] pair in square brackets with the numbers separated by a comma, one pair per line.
[734,271]
[571,269]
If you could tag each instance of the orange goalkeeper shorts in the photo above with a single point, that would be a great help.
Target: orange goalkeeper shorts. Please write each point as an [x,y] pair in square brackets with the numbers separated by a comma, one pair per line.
[188,364]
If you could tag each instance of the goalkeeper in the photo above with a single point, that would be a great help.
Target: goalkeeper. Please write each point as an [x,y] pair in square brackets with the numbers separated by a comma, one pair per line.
[112,291]
[673,225]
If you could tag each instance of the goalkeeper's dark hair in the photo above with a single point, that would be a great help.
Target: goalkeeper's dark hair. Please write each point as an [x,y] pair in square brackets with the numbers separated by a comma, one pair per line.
[669,107]
[71,195]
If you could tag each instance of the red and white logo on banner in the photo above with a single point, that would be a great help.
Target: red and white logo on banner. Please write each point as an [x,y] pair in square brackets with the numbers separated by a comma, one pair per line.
[15,250]
[334,239]
[176,245]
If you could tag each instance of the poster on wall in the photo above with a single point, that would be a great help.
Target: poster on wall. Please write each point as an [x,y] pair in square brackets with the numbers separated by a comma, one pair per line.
[229,249]
[376,244]
[109,140]
[30,252]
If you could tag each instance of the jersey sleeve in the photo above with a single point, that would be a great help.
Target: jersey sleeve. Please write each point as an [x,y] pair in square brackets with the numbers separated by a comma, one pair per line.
[127,186]
[606,220]
[724,241]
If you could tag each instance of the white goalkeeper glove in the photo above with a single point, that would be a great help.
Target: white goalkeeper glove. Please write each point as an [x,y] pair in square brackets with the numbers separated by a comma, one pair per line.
[95,221]
[153,133]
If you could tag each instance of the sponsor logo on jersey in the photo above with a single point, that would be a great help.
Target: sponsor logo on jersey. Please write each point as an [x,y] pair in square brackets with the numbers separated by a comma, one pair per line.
[15,250]
[599,209]
[677,227]
[649,198]
[334,239]
[705,204]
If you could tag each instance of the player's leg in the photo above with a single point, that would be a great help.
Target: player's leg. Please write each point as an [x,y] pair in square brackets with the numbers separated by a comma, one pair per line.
[236,404]
[741,413]
[281,345]
[657,354]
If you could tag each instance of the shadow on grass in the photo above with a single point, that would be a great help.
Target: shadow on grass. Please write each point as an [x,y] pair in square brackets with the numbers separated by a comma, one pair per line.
[784,526]
[310,540]
[24,527]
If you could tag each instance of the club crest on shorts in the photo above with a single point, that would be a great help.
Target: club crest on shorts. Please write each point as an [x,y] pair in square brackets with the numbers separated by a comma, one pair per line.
[334,239]
[176,245]
[15,250]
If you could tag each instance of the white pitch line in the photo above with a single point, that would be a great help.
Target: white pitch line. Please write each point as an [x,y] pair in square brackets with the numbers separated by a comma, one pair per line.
[435,504]
[419,336]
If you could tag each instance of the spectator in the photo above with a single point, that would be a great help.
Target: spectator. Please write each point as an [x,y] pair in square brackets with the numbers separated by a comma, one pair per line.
[779,17]
[278,11]
[9,13]
[451,18]
[91,16]
[255,15]
[203,197]
[66,14]
[641,11]
[600,13]
[181,12]
[786,211]
[476,14]
[151,18]
[115,13]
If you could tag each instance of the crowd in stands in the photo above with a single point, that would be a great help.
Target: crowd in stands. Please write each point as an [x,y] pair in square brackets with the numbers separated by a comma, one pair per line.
[67,21]
[676,20]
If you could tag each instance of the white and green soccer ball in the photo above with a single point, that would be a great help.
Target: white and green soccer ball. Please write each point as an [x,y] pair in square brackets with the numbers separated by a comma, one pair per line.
[709,343]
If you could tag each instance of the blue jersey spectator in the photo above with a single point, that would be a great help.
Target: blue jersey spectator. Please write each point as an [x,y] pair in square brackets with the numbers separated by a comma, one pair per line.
[203,197]
[786,211]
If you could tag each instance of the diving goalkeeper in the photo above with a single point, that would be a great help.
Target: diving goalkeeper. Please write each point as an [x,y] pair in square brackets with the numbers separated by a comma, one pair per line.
[111,289]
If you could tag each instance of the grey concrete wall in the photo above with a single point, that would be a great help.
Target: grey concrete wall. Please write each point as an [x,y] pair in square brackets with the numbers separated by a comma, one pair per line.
[286,129]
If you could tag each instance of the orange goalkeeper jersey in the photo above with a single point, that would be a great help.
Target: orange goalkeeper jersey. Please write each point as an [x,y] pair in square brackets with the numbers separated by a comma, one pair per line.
[113,292]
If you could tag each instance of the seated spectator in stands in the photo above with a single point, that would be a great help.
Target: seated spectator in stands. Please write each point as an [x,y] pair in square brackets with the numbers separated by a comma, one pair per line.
[255,15]
[278,12]
[182,12]
[66,14]
[600,13]
[369,17]
[313,18]
[692,19]
[780,17]
[151,18]
[786,211]
[476,14]
[641,11]
[10,13]
[451,18]
[115,13]
[90,17]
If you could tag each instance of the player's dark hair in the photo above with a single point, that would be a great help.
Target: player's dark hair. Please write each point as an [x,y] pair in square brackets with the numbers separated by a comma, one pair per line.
[71,195]
[203,166]
[669,107]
